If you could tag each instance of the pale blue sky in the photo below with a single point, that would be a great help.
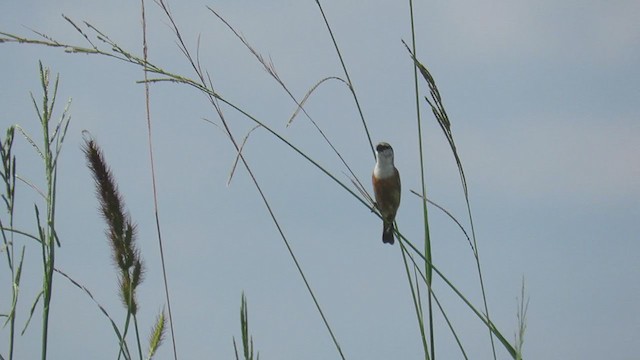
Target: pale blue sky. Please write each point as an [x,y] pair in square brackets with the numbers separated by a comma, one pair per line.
[543,100]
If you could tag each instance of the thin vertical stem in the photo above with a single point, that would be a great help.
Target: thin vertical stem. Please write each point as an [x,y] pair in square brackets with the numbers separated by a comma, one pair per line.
[8,173]
[153,180]
[427,238]
[47,233]
[135,324]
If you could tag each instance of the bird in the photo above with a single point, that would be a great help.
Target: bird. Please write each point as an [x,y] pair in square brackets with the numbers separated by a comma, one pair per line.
[386,188]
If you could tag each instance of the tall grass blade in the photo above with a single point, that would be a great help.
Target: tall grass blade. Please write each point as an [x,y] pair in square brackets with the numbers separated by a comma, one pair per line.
[425,212]
[435,101]
[8,174]
[247,339]
[33,309]
[29,139]
[523,307]
[156,210]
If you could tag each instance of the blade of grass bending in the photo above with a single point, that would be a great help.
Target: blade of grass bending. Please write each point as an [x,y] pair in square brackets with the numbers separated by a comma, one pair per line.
[21,233]
[33,309]
[441,208]
[32,186]
[308,94]
[28,137]
[121,341]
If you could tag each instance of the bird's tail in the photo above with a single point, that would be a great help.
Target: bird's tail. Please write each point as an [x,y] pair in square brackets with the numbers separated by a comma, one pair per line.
[387,233]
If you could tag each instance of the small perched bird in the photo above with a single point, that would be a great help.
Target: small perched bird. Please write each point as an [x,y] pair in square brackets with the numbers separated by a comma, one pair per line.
[386,187]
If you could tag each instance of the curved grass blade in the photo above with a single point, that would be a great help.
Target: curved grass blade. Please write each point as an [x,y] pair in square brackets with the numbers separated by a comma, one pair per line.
[121,341]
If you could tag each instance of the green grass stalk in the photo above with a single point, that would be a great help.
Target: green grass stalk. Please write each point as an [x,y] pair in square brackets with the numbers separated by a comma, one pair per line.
[52,145]
[153,182]
[425,211]
[437,107]
[247,339]
[8,174]
[416,300]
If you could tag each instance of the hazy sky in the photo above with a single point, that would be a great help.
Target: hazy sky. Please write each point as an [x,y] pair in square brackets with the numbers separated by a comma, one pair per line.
[543,100]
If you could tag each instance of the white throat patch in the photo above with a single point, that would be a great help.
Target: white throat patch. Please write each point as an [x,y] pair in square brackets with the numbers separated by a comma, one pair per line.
[384,165]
